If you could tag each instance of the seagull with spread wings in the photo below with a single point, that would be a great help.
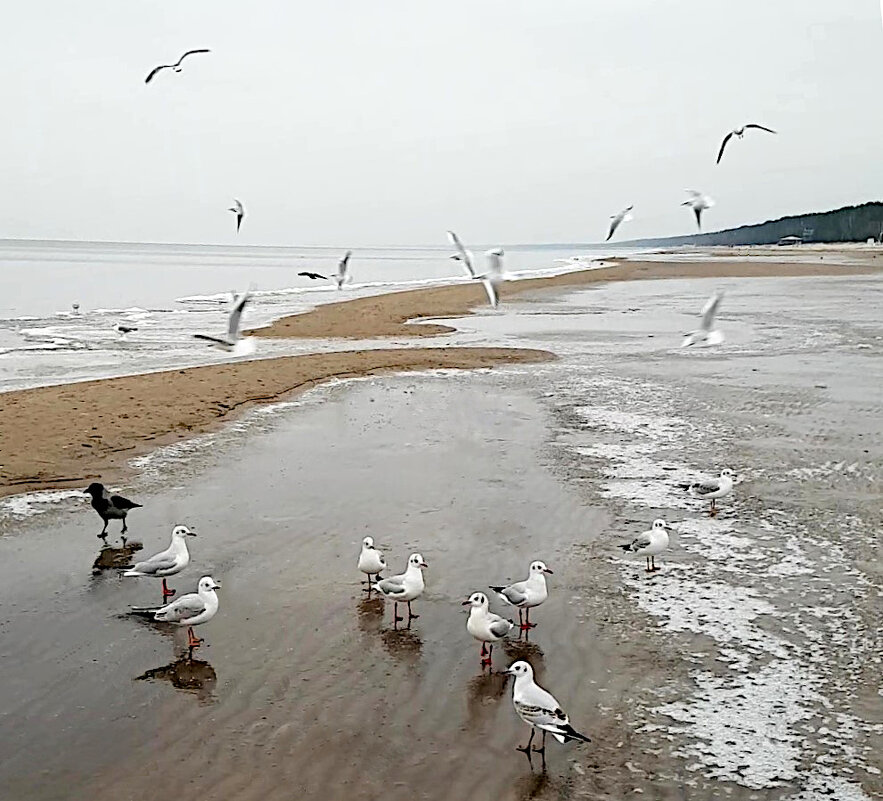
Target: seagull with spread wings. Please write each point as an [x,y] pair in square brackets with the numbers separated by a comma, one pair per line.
[489,279]
[739,133]
[706,334]
[239,210]
[698,202]
[343,276]
[176,66]
[615,220]
[233,336]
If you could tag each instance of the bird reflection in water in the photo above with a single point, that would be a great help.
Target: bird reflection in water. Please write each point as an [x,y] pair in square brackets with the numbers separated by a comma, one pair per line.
[522,649]
[370,612]
[191,675]
[110,558]
[482,694]
[402,644]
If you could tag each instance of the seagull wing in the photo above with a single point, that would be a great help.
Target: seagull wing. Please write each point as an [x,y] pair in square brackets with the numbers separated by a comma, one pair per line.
[207,338]
[760,128]
[500,627]
[709,310]
[186,607]
[491,290]
[343,264]
[641,541]
[723,145]
[236,316]
[465,255]
[616,220]
[190,53]
[157,562]
[697,210]
[705,487]
[155,70]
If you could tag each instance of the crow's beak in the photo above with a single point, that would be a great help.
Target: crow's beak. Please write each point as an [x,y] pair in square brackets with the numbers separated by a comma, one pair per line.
[546,570]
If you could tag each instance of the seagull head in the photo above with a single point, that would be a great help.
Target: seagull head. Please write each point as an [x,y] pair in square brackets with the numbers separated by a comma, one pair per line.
[727,473]
[520,668]
[661,525]
[539,568]
[208,584]
[94,489]
[478,600]
[368,542]
[416,560]
[179,532]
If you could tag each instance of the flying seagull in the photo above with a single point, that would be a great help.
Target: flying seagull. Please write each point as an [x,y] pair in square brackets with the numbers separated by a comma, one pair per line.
[491,277]
[739,133]
[239,210]
[176,66]
[624,216]
[698,202]
[230,341]
[314,276]
[343,276]
[705,335]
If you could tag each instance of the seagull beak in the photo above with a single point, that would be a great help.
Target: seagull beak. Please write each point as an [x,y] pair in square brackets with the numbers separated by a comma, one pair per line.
[191,533]
[670,528]
[216,587]
[546,570]
[467,602]
[423,564]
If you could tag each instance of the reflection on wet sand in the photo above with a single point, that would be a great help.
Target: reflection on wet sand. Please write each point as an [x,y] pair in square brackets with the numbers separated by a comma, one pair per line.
[191,675]
[403,644]
[482,694]
[539,784]
[110,558]
[370,612]
[522,649]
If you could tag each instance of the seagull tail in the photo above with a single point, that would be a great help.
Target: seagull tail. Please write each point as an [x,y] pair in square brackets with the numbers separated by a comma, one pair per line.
[144,611]
[626,547]
[569,733]
[497,589]
[685,486]
[130,571]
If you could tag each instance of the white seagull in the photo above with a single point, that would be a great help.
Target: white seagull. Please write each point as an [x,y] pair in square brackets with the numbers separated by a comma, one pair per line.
[168,562]
[485,626]
[739,133]
[189,610]
[705,334]
[343,276]
[713,488]
[176,66]
[371,561]
[650,543]
[405,587]
[239,210]
[233,338]
[539,709]
[698,202]
[491,277]
[615,220]
[526,594]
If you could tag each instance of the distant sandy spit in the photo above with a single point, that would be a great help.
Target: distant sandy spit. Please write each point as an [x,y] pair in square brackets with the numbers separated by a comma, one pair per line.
[66,436]
[387,315]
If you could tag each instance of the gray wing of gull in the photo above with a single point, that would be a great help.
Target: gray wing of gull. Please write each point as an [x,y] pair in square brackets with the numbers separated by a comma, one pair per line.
[491,289]
[236,316]
[515,594]
[156,70]
[720,154]
[155,564]
[613,226]
[500,628]
[706,487]
[710,310]
[391,587]
[760,127]
[208,338]
[186,607]
[641,541]
[465,256]
[190,53]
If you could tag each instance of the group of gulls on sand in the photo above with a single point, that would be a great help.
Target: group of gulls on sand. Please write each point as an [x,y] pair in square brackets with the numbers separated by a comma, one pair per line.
[698,201]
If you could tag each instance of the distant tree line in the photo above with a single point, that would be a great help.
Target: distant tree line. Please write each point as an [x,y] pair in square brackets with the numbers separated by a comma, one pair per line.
[849,224]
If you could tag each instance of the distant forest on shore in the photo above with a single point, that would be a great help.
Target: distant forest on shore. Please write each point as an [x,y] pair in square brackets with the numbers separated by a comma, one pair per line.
[848,224]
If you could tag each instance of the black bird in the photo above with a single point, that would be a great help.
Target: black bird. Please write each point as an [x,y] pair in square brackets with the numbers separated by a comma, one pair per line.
[176,66]
[314,276]
[109,507]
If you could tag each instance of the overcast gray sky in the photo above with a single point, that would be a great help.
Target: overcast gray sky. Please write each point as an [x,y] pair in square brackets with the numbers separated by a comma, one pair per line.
[386,122]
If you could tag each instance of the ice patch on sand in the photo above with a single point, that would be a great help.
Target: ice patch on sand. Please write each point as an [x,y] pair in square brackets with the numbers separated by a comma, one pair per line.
[30,503]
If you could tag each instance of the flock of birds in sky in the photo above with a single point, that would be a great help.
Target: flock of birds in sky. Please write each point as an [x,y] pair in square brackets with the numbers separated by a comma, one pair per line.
[534,705]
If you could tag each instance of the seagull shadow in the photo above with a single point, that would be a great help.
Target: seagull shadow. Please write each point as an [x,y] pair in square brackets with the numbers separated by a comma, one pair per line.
[370,613]
[190,675]
[522,649]
[402,644]
[110,558]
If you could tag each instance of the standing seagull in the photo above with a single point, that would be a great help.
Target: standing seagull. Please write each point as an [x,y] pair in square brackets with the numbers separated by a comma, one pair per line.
[650,543]
[239,210]
[371,561]
[705,335]
[176,66]
[189,610]
[526,594]
[109,507]
[485,626]
[405,587]
[615,220]
[713,488]
[343,276]
[739,133]
[169,562]
[540,710]
[698,202]
[230,341]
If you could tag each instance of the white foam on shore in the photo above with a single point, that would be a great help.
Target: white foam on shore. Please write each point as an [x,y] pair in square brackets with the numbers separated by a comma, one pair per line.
[30,503]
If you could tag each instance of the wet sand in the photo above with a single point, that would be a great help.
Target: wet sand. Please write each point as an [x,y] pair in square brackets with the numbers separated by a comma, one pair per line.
[68,435]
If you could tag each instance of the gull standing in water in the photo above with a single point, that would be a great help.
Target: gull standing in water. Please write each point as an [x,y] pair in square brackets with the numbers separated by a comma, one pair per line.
[617,219]
[233,338]
[189,610]
[739,133]
[405,587]
[539,709]
[343,276]
[526,594]
[371,561]
[698,202]
[489,279]
[239,210]
[169,562]
[713,488]
[650,543]
[485,626]
[176,67]
[705,335]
